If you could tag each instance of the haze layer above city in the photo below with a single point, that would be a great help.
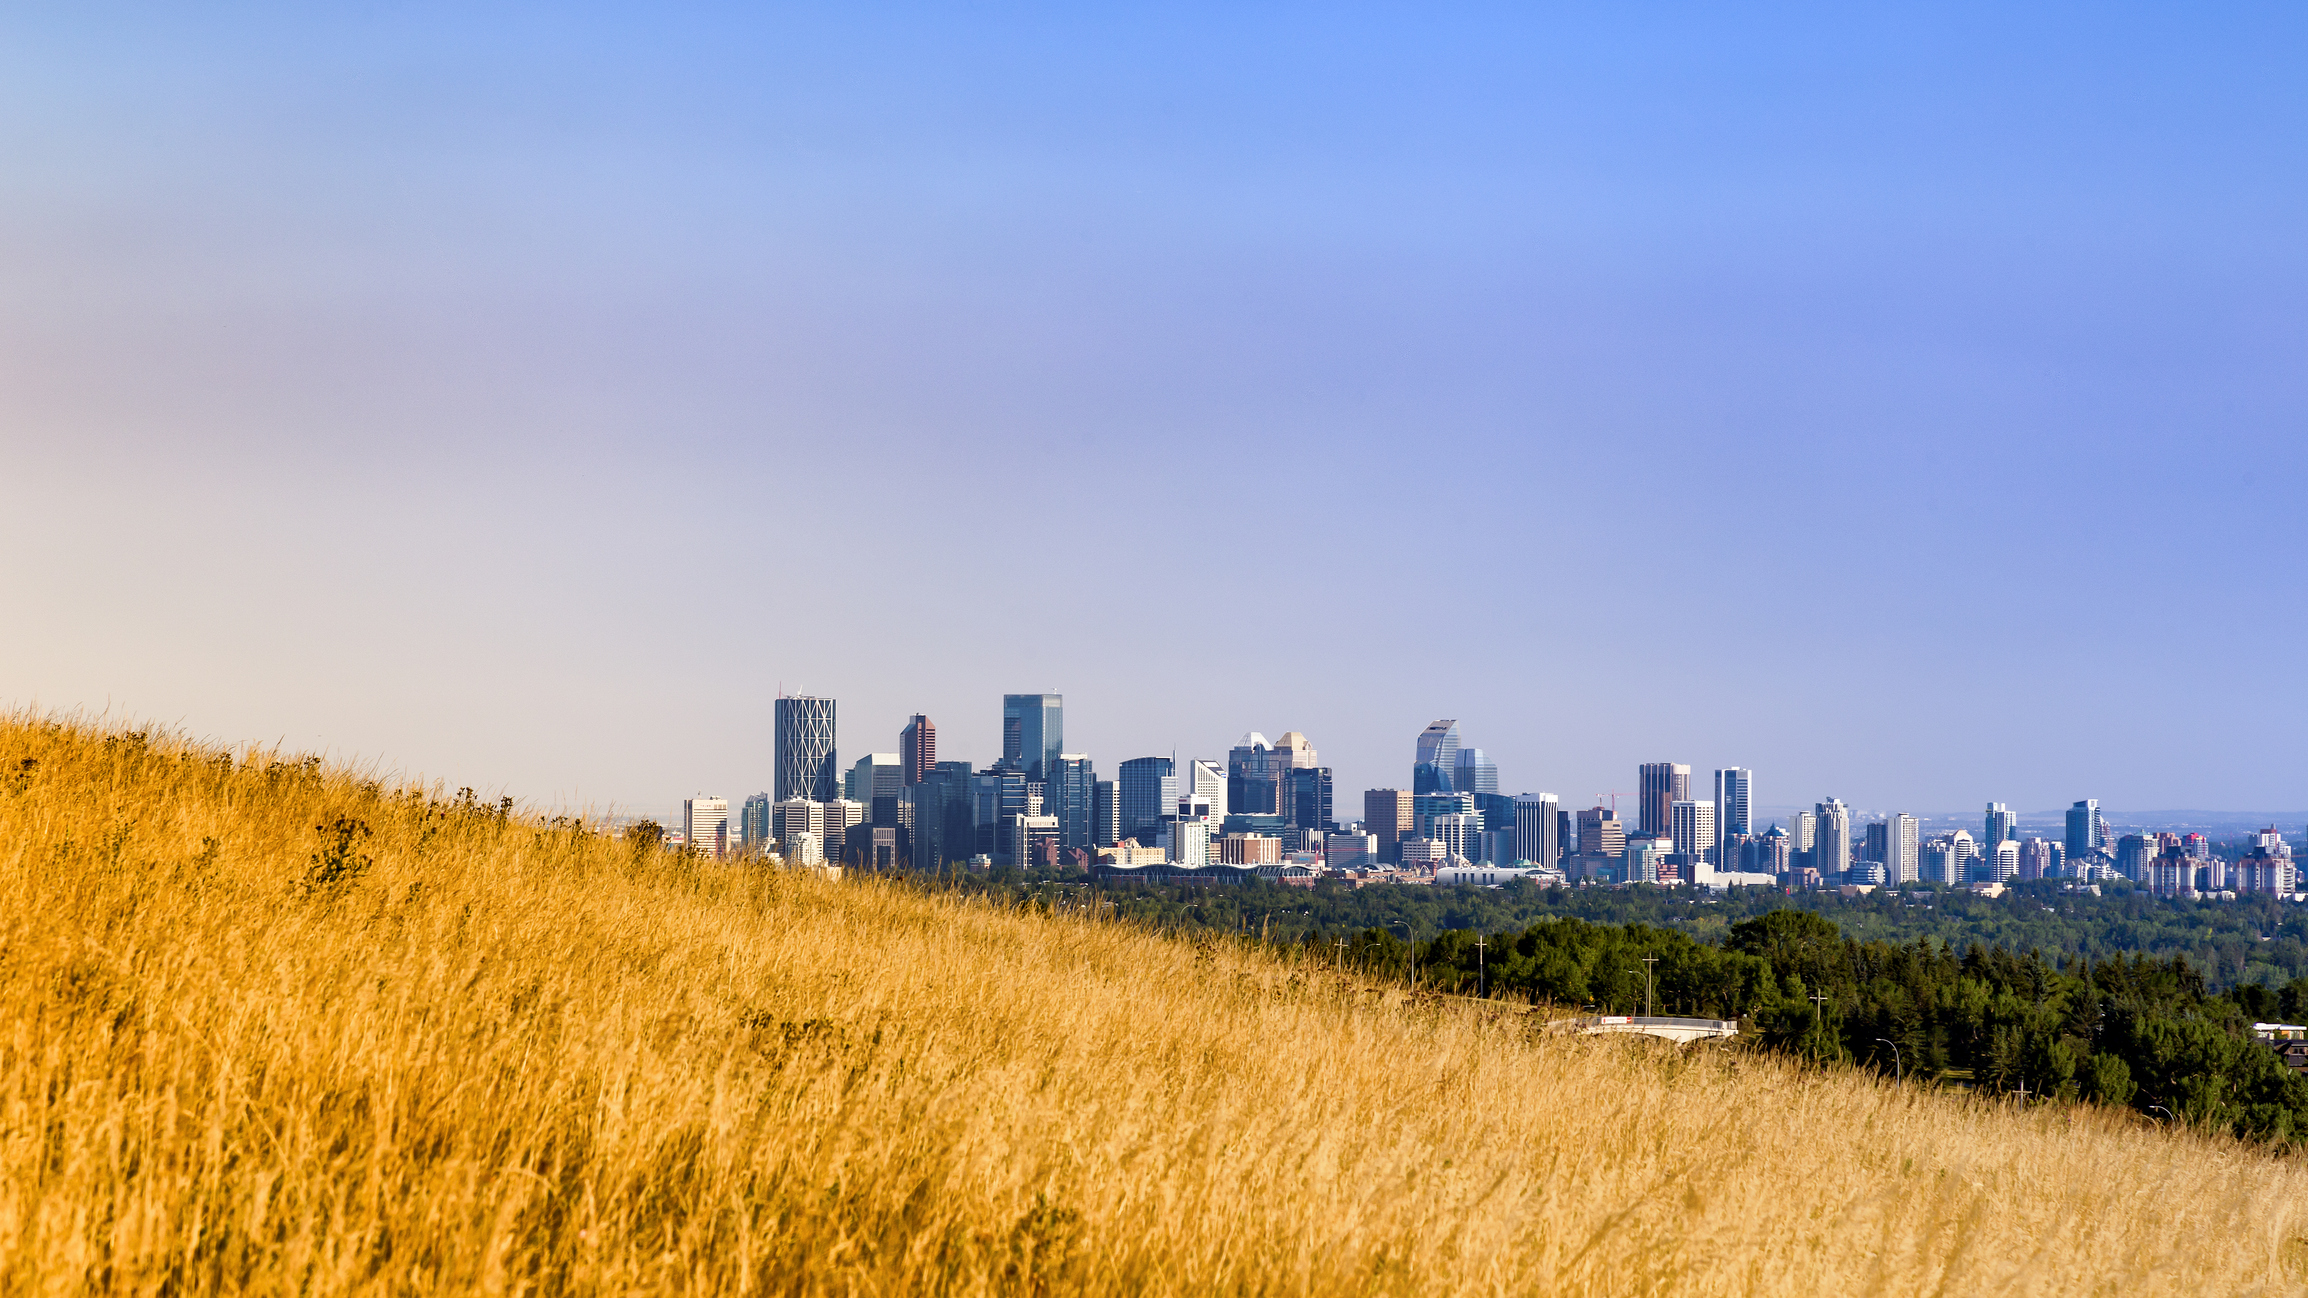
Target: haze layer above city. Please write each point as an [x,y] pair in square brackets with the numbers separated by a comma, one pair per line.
[1905,407]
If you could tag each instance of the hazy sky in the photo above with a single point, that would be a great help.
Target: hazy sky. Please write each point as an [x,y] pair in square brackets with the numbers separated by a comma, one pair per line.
[1910,406]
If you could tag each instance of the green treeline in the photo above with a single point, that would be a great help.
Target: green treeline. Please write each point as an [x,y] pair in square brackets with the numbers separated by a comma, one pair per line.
[2133,1030]
[2114,999]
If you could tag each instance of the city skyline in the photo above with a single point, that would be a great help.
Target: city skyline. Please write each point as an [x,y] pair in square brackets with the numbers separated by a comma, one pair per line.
[466,393]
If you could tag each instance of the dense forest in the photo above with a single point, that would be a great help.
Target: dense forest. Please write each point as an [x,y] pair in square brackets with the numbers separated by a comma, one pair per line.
[2040,993]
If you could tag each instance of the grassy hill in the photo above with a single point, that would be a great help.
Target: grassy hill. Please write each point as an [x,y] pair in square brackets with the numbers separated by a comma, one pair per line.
[272,1026]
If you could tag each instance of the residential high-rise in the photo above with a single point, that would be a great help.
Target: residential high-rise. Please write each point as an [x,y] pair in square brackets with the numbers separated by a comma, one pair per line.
[917,748]
[2133,852]
[1663,785]
[1537,824]
[753,823]
[2035,858]
[1691,827]
[1438,758]
[1831,848]
[1033,730]
[1070,794]
[1874,841]
[1147,788]
[1387,817]
[1965,851]
[1903,860]
[2083,837]
[1105,815]
[2001,826]
[1734,811]
[1939,863]
[1473,773]
[1803,831]
[705,822]
[876,775]
[805,749]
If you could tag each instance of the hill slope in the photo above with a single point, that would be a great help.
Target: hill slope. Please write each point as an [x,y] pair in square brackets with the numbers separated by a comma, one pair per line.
[272,1026]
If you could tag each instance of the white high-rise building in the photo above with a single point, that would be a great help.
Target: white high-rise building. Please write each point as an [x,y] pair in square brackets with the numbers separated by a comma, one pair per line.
[2006,859]
[706,823]
[1966,851]
[1831,847]
[1538,828]
[1460,833]
[1205,779]
[1802,831]
[840,814]
[796,816]
[1902,856]
[1691,824]
[1939,862]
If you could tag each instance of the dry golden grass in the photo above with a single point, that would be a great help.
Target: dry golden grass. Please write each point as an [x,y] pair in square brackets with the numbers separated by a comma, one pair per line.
[511,1057]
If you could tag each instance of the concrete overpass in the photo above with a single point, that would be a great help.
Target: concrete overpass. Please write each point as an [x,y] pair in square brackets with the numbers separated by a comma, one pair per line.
[1679,1031]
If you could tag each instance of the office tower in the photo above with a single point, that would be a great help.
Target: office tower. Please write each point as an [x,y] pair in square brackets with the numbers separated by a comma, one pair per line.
[1387,816]
[1691,828]
[1438,758]
[1601,834]
[876,775]
[1148,790]
[2083,837]
[1803,831]
[1473,773]
[805,749]
[1663,785]
[1901,861]
[1350,851]
[1254,777]
[1645,859]
[753,823]
[1425,807]
[1295,751]
[1033,730]
[796,816]
[2001,826]
[1034,840]
[945,824]
[1460,833]
[1204,779]
[840,814]
[1307,797]
[1070,794]
[1105,815]
[917,748]
[997,794]
[705,822]
[1538,821]
[2003,861]
[1831,844]
[1734,810]
[1498,813]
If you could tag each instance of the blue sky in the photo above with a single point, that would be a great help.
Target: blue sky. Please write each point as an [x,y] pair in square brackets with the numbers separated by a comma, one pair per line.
[1906,405]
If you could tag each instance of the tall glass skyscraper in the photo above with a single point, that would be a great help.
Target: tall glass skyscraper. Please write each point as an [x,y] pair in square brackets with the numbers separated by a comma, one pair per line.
[1070,794]
[1438,759]
[1734,812]
[1033,730]
[1474,772]
[1147,790]
[805,749]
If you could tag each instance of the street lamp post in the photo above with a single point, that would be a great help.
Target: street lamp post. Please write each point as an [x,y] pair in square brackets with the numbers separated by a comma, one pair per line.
[1898,1074]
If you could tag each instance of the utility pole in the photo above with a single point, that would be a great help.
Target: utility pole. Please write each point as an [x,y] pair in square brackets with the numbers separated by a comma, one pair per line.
[1482,971]
[1339,961]
[1648,961]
